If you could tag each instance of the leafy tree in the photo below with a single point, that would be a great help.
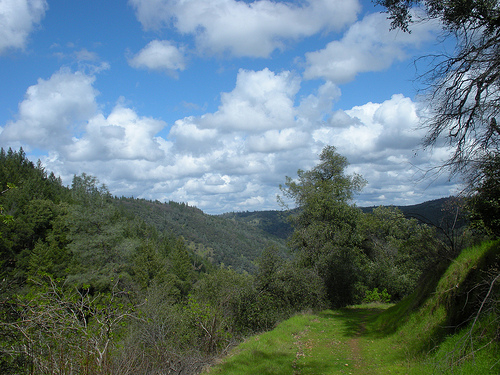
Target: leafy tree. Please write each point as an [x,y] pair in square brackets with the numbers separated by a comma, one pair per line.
[485,203]
[326,234]
[292,287]
[97,236]
[399,251]
[465,85]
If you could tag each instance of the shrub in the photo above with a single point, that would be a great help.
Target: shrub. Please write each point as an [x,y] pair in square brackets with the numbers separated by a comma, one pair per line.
[376,296]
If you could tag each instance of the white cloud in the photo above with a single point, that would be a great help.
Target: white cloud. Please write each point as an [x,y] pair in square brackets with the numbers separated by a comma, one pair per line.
[122,135]
[382,141]
[61,114]
[368,46]
[86,55]
[160,55]
[278,140]
[260,101]
[316,106]
[52,110]
[254,28]
[17,20]
[374,130]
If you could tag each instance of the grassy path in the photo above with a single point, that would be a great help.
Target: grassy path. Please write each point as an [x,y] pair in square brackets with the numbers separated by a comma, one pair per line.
[332,342]
[413,337]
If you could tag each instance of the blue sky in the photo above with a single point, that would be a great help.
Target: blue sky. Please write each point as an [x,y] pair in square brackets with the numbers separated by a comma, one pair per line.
[214,102]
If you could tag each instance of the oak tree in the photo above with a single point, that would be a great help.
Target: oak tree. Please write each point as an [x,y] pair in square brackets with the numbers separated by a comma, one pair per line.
[325,222]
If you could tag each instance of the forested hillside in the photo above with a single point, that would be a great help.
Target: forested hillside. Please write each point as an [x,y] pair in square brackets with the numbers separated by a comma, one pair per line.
[272,222]
[216,238]
[94,284]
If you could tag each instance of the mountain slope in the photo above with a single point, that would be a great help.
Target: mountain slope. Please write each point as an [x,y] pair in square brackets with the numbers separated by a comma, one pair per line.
[223,240]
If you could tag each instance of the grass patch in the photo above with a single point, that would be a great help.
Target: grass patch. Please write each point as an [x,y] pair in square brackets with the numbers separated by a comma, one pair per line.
[330,342]
[431,331]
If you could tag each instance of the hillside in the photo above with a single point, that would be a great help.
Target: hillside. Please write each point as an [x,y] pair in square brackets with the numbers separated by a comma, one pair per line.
[237,239]
[221,239]
[450,324]
[272,222]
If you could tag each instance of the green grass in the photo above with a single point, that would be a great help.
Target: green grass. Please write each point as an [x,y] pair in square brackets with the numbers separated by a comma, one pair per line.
[330,342]
[419,335]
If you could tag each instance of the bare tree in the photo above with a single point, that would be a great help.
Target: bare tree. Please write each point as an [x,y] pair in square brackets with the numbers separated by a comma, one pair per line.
[66,330]
[464,91]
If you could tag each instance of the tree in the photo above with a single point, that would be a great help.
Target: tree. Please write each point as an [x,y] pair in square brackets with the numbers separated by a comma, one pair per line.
[62,330]
[465,85]
[398,250]
[326,234]
[486,202]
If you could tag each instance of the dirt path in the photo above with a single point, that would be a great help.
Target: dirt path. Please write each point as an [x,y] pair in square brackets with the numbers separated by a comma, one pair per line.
[354,345]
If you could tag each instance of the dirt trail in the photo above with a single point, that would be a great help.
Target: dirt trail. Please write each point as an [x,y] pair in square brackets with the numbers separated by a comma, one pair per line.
[354,345]
[301,345]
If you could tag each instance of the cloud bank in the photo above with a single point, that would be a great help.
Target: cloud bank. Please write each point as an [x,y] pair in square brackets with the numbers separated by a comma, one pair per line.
[232,159]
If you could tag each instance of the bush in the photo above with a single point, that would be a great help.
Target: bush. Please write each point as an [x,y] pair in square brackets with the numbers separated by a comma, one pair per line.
[376,296]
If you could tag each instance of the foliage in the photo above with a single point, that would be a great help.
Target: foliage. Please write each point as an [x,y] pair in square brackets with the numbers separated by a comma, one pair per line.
[215,238]
[398,251]
[486,202]
[272,222]
[325,225]
[455,14]
[376,296]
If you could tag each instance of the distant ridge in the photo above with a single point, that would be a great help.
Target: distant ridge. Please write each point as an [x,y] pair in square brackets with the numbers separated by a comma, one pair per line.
[433,212]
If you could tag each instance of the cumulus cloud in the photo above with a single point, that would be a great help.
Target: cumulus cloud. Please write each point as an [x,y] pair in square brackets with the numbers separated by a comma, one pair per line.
[278,140]
[260,101]
[60,114]
[122,135]
[368,46]
[52,110]
[374,131]
[160,55]
[382,141]
[18,18]
[241,28]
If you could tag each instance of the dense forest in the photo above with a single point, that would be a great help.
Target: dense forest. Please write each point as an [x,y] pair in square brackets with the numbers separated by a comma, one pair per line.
[97,284]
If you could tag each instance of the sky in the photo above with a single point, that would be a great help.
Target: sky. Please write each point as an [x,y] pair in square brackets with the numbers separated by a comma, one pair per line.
[214,102]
